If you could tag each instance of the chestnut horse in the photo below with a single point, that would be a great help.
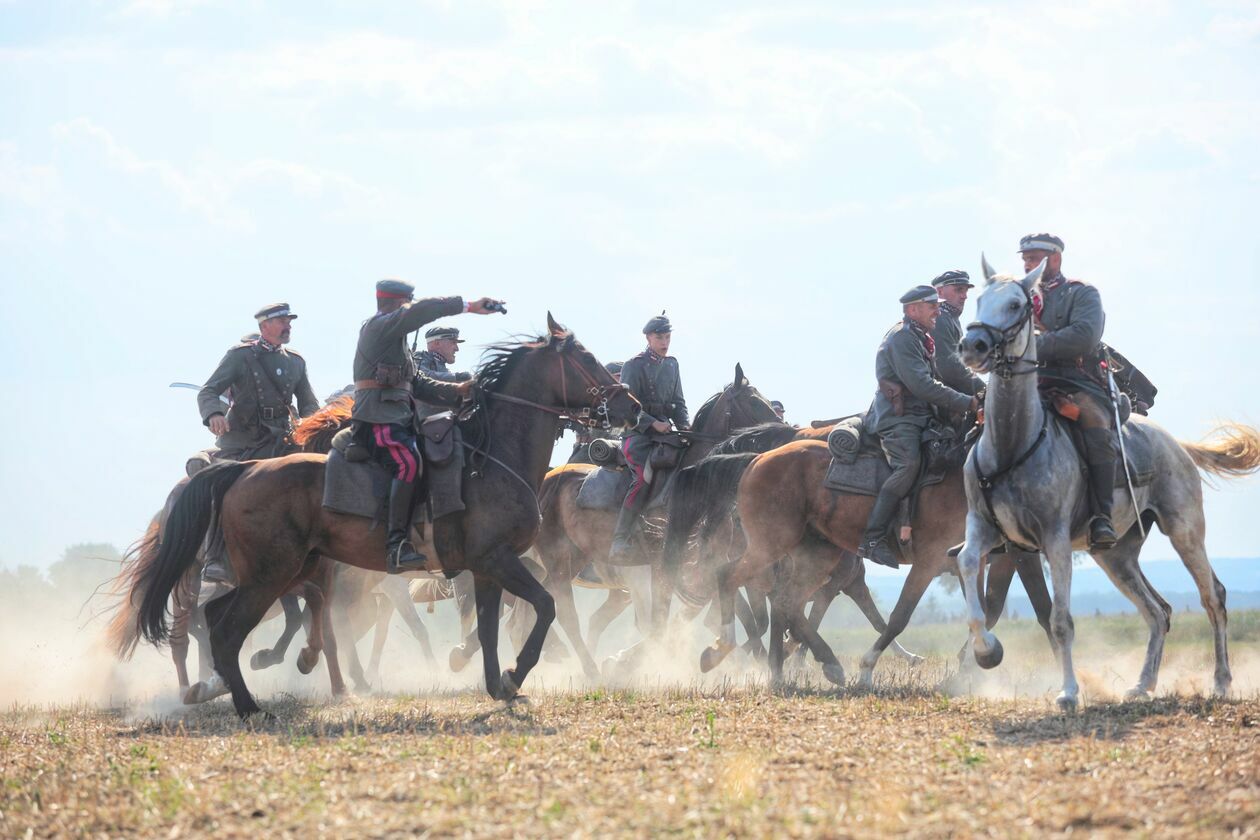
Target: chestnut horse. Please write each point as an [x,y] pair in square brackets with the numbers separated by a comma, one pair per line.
[786,510]
[276,526]
[571,536]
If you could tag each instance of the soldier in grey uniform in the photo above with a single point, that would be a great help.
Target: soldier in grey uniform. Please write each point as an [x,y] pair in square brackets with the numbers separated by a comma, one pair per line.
[263,379]
[654,379]
[910,395]
[442,345]
[1069,348]
[385,406]
[952,288]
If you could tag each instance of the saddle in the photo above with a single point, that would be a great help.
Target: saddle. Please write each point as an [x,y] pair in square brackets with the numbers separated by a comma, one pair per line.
[606,489]
[361,488]
[858,465]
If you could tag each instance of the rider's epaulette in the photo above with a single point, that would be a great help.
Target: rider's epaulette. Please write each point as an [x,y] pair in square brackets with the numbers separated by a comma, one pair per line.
[294,353]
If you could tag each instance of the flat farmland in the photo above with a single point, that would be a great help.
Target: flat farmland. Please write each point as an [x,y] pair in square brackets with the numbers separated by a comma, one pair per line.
[723,757]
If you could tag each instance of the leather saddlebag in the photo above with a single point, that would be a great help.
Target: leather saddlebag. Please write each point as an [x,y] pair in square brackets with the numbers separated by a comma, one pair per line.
[437,437]
[667,451]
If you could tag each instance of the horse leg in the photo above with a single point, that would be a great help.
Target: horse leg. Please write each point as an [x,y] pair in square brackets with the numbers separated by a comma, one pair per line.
[274,655]
[981,538]
[795,591]
[1034,580]
[339,616]
[851,579]
[320,591]
[638,580]
[488,594]
[1121,565]
[397,591]
[561,589]
[1185,528]
[614,605]
[1000,573]
[748,618]
[465,601]
[384,612]
[1058,550]
[730,577]
[179,642]
[921,574]
[778,628]
[515,577]
[230,623]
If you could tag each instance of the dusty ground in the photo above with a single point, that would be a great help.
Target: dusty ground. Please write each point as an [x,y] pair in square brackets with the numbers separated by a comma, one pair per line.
[706,762]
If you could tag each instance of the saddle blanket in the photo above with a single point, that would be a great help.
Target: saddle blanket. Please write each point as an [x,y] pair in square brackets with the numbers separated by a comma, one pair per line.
[863,476]
[360,489]
[605,489]
[1141,451]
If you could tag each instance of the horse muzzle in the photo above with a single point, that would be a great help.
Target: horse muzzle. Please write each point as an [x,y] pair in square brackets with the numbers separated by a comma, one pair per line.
[976,349]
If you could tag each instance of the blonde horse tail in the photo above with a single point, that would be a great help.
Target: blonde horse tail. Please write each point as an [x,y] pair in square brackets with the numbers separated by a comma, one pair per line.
[1231,450]
[123,633]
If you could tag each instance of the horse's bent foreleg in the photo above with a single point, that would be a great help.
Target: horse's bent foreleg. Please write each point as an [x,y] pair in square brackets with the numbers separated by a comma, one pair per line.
[614,605]
[561,589]
[274,655]
[396,590]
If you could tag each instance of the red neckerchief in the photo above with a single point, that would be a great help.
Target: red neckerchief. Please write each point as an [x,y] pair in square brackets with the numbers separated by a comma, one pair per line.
[264,344]
[928,343]
[653,358]
[1038,300]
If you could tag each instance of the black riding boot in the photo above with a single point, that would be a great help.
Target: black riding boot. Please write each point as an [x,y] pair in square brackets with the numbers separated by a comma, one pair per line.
[623,534]
[401,556]
[874,545]
[1100,451]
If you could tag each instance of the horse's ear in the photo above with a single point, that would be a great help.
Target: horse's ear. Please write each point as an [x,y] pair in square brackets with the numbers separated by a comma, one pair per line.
[740,381]
[556,330]
[987,269]
[1032,278]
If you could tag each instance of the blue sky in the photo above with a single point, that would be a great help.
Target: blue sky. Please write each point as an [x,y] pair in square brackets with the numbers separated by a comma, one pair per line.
[775,175]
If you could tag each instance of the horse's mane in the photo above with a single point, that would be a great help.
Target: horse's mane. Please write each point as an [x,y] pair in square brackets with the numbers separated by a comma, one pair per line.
[315,433]
[761,438]
[497,364]
[702,414]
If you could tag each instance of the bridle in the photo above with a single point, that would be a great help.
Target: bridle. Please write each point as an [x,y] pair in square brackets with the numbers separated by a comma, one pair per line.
[593,415]
[1005,365]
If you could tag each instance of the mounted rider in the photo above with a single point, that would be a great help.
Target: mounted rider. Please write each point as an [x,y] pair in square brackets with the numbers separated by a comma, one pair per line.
[387,386]
[264,379]
[442,343]
[909,397]
[654,380]
[1069,349]
[952,288]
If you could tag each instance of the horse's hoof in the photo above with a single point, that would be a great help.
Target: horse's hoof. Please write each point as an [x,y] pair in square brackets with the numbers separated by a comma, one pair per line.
[866,679]
[307,660]
[834,673]
[914,660]
[712,657]
[509,687]
[256,715]
[458,661]
[1222,688]
[1067,703]
[262,659]
[992,658]
[1137,693]
[362,687]
[204,691]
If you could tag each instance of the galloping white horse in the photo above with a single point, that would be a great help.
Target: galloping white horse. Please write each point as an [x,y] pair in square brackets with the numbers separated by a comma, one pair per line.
[1034,493]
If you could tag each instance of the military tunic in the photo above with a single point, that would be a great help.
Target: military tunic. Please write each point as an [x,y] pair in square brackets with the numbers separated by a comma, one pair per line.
[1068,345]
[906,358]
[947,335]
[656,383]
[435,366]
[383,342]
[264,383]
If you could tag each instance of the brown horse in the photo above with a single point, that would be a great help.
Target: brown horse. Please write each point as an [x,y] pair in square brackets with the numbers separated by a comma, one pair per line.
[276,527]
[571,536]
[189,618]
[782,502]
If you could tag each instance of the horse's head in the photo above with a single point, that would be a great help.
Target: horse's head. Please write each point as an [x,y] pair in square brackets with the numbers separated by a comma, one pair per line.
[738,406]
[581,384]
[1002,331]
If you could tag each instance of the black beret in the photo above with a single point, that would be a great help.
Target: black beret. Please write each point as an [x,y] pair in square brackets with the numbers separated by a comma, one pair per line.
[1041,242]
[274,310]
[954,277]
[443,332]
[659,324]
[920,294]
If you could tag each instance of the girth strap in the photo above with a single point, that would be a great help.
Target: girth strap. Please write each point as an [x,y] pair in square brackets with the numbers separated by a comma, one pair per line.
[987,482]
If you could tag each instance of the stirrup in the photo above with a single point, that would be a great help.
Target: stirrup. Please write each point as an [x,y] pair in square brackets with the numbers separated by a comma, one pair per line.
[877,551]
[1105,543]
[404,558]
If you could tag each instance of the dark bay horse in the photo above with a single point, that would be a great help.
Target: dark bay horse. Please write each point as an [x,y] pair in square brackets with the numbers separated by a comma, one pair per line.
[571,536]
[782,503]
[276,527]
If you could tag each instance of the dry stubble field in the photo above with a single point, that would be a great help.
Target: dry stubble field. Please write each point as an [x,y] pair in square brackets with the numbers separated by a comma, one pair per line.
[727,757]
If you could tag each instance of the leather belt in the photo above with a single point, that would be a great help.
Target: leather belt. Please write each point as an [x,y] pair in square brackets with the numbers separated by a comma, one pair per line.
[373,385]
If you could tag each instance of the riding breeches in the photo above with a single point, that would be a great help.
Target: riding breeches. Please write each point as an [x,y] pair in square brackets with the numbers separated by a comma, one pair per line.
[394,448]
[637,449]
[901,445]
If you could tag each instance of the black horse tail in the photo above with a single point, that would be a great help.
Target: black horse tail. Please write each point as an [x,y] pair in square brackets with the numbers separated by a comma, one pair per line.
[703,492]
[181,539]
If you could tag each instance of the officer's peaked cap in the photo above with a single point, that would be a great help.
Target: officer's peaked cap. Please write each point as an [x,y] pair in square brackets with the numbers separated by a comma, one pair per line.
[399,289]
[953,277]
[920,294]
[443,332]
[274,310]
[1041,242]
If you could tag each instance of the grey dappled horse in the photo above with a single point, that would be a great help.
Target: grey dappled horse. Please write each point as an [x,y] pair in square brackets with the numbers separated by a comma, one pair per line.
[1038,494]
